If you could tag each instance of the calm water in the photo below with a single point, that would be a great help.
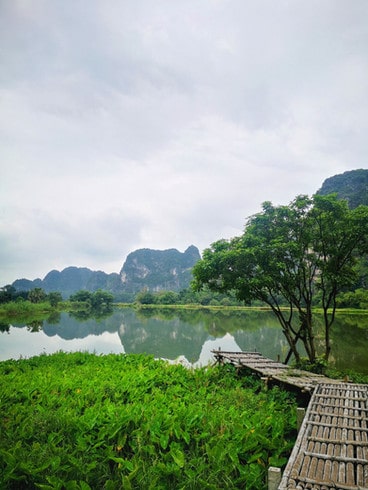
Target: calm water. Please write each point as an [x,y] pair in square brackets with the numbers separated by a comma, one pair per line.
[185,335]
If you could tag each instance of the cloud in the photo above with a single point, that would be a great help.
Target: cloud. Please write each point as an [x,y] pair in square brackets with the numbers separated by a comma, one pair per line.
[158,124]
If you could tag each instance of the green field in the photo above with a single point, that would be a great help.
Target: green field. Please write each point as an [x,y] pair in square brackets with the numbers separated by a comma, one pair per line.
[80,421]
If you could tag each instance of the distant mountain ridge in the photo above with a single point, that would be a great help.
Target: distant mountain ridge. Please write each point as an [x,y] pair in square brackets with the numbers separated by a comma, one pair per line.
[72,279]
[154,270]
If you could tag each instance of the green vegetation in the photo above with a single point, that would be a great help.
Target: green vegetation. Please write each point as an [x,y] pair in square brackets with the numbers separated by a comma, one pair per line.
[22,305]
[206,297]
[36,303]
[80,421]
[292,258]
[87,304]
[24,310]
[354,299]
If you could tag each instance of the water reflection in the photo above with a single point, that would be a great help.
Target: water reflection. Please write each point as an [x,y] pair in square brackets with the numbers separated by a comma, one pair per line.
[172,334]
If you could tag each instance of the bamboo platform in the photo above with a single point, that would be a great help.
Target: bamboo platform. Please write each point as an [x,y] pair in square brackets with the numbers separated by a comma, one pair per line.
[331,451]
[272,370]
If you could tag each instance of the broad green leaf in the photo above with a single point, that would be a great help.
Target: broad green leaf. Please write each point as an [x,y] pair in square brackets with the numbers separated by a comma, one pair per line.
[178,456]
[164,439]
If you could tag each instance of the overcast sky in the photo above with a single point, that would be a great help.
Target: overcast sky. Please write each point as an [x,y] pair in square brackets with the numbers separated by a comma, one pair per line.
[163,123]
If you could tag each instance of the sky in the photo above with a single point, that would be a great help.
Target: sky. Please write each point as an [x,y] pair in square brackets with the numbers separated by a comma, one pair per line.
[128,124]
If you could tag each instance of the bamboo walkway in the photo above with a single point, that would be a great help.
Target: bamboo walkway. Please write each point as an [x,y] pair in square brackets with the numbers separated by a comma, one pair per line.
[331,450]
[272,370]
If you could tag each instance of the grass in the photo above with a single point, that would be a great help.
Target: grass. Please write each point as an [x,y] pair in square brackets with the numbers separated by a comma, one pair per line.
[23,310]
[81,421]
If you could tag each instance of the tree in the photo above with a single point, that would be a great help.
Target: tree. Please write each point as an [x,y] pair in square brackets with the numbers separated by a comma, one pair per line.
[167,298]
[37,295]
[287,257]
[7,293]
[81,296]
[145,297]
[102,300]
[93,304]
[54,298]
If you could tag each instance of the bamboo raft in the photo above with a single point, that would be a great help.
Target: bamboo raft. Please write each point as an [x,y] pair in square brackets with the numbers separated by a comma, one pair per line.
[331,450]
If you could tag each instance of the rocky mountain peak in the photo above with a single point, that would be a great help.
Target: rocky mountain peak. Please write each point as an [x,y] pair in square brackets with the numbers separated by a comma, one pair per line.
[158,270]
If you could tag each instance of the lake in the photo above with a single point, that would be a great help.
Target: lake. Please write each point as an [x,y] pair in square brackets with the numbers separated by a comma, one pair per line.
[184,335]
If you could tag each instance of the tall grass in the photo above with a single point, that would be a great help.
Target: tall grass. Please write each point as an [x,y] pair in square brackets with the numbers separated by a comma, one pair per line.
[20,310]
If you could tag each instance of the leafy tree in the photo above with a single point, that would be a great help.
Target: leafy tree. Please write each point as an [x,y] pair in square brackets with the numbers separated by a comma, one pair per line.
[96,304]
[287,255]
[81,296]
[102,300]
[167,298]
[7,293]
[353,299]
[54,298]
[37,295]
[145,297]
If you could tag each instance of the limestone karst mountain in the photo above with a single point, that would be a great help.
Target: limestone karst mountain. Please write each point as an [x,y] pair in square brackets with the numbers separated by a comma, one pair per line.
[155,270]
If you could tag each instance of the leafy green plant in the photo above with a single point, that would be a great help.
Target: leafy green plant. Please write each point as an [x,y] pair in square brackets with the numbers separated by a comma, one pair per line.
[83,421]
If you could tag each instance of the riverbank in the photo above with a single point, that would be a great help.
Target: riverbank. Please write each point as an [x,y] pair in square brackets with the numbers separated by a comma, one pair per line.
[22,309]
[127,421]
[25,310]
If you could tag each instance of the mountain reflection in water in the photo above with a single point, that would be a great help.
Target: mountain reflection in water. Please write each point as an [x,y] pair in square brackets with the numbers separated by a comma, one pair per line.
[189,335]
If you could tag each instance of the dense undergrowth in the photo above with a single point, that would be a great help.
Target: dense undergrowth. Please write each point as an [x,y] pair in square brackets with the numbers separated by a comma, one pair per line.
[80,421]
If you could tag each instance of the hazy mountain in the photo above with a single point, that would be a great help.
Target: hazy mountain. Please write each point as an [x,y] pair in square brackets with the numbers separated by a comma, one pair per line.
[72,279]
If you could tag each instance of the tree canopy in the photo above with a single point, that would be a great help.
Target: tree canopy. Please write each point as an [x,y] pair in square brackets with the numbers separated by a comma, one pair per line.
[95,304]
[291,258]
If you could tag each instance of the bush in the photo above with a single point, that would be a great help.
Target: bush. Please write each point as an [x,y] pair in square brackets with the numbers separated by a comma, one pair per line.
[353,299]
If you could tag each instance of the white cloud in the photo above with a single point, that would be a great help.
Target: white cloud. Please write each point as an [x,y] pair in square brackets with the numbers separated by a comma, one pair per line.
[159,124]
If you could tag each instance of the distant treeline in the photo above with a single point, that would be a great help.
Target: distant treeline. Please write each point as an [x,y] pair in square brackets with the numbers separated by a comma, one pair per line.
[356,298]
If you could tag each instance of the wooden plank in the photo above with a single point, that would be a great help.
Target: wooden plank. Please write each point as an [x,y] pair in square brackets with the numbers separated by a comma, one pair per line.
[277,371]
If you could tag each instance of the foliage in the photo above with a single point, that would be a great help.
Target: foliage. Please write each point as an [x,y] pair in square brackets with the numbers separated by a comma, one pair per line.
[90,304]
[353,187]
[9,293]
[84,421]
[145,297]
[37,295]
[353,299]
[205,297]
[285,256]
[24,310]
[54,298]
